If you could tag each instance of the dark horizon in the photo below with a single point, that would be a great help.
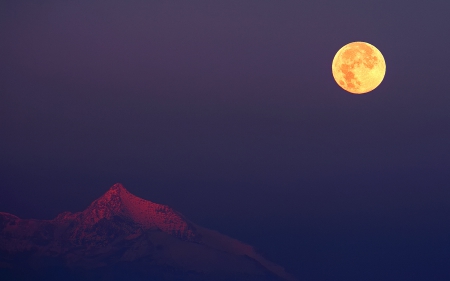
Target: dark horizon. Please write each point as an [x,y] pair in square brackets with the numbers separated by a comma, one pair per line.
[228,112]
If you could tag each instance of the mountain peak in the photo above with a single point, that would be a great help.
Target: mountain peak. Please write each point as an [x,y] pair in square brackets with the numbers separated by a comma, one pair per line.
[117,189]
[113,198]
[119,202]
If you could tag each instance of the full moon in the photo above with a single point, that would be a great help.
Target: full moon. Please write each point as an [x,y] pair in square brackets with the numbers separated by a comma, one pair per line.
[358,67]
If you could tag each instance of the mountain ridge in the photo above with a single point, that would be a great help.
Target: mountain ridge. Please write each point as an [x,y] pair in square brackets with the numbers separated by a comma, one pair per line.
[118,201]
[120,228]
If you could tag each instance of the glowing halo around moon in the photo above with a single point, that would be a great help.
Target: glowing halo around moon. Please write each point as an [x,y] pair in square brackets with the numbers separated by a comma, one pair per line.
[358,67]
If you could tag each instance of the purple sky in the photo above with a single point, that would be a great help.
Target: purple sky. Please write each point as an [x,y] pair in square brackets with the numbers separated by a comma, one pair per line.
[228,112]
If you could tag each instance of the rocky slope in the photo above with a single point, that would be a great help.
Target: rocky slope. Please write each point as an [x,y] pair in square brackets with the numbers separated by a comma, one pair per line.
[124,237]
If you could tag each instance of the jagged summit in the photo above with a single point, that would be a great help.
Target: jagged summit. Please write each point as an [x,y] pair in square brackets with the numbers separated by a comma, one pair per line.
[119,202]
[111,203]
[116,195]
[116,189]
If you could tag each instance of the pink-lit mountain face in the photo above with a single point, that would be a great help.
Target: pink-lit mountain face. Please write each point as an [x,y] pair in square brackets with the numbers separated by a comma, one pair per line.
[124,237]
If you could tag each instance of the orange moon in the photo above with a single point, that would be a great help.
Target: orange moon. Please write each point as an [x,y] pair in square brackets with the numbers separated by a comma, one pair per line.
[358,67]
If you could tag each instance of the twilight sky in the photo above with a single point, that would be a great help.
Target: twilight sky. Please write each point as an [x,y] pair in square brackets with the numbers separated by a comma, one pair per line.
[227,111]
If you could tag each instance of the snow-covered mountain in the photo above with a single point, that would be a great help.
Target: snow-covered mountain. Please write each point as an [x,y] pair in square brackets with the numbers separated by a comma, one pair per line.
[123,237]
